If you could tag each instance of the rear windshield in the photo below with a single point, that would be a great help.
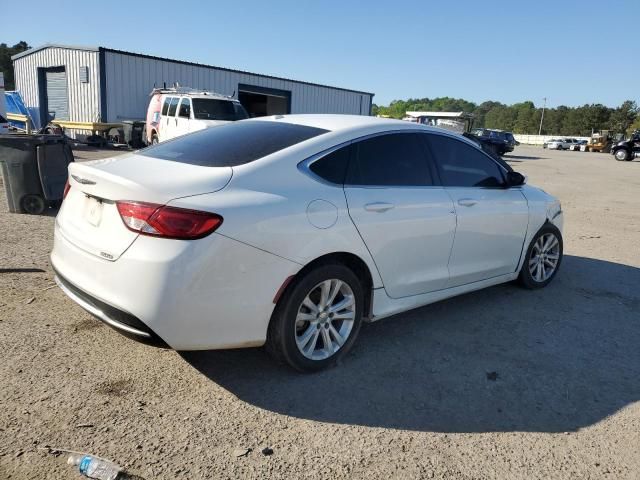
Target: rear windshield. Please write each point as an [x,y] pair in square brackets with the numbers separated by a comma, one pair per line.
[2,120]
[232,144]
[212,109]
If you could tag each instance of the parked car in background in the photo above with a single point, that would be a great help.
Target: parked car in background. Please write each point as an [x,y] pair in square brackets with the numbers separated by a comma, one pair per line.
[4,125]
[174,112]
[498,140]
[269,231]
[561,143]
[578,146]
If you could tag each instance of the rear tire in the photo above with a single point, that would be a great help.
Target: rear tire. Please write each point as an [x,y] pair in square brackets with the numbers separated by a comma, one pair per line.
[154,139]
[543,258]
[318,318]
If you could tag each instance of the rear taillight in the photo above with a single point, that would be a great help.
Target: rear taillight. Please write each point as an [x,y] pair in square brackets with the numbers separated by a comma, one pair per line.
[66,189]
[167,222]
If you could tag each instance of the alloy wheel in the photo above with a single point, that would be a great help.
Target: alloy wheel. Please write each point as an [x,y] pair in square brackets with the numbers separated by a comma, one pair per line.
[544,258]
[325,319]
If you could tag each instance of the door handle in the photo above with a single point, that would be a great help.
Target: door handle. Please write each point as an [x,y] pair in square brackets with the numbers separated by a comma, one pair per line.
[467,202]
[378,207]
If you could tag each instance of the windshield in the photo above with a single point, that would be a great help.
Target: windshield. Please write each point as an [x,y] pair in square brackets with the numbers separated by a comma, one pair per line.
[214,109]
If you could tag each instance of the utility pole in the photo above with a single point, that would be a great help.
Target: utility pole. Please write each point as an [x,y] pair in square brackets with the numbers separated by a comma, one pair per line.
[542,117]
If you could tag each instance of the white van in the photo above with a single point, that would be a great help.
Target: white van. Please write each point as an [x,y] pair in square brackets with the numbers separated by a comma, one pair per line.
[178,111]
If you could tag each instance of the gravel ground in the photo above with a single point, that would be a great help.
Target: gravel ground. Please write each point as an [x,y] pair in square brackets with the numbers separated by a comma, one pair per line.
[416,398]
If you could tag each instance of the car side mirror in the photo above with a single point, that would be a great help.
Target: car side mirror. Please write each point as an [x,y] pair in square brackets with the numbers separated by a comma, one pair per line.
[515,179]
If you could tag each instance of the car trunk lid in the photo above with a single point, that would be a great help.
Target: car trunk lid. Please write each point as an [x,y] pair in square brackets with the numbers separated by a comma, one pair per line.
[89,217]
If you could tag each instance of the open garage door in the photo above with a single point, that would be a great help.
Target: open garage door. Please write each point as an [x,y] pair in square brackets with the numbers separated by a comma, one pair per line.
[261,101]
[54,96]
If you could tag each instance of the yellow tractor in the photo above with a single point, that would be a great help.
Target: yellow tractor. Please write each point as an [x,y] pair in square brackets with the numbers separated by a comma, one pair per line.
[599,142]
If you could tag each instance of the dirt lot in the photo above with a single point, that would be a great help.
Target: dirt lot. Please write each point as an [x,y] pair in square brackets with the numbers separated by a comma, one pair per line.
[413,399]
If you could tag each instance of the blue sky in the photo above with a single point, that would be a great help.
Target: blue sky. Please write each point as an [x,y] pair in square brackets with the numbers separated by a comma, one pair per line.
[508,51]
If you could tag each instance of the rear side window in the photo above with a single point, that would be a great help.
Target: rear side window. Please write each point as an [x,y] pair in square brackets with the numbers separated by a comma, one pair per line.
[397,159]
[173,106]
[185,108]
[462,165]
[232,144]
[333,167]
[165,105]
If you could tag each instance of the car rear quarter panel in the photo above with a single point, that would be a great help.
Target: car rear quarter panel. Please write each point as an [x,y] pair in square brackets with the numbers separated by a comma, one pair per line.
[204,294]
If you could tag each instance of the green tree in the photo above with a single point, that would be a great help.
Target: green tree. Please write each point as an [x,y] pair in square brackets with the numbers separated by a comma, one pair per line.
[525,117]
[623,117]
[6,65]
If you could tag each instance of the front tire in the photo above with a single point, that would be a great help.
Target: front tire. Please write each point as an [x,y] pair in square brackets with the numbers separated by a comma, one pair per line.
[154,139]
[318,318]
[622,155]
[543,258]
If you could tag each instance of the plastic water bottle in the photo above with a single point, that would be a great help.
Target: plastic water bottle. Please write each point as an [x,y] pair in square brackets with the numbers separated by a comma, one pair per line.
[93,467]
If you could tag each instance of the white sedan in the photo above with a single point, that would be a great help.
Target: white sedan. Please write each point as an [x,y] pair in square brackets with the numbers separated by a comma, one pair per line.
[291,231]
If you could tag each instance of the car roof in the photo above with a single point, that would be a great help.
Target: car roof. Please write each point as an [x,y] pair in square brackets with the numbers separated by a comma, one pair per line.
[356,125]
[339,122]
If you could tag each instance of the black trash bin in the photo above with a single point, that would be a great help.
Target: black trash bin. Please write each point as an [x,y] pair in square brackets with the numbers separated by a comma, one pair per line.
[133,133]
[34,170]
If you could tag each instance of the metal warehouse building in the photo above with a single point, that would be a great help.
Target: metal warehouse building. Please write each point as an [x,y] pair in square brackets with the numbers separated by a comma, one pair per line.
[96,84]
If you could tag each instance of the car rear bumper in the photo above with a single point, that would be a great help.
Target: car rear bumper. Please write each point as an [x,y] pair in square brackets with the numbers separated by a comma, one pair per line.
[121,321]
[190,295]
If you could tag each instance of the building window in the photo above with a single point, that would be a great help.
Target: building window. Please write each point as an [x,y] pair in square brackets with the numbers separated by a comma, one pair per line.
[84,74]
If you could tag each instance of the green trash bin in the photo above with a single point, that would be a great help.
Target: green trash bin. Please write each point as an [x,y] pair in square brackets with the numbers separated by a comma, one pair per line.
[34,170]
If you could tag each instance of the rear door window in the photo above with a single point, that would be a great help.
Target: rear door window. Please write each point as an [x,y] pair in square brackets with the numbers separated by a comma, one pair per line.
[232,144]
[462,165]
[165,105]
[173,106]
[397,159]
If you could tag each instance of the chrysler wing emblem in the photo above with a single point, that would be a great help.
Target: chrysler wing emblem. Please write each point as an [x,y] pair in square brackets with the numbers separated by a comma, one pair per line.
[83,181]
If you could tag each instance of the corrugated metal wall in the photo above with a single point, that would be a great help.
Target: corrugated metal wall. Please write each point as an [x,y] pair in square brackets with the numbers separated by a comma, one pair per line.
[84,98]
[129,79]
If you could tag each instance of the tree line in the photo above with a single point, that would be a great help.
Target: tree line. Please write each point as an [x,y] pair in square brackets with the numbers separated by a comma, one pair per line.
[6,66]
[525,117]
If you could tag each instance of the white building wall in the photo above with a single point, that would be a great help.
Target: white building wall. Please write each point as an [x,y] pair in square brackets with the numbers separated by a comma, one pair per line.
[84,98]
[130,78]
